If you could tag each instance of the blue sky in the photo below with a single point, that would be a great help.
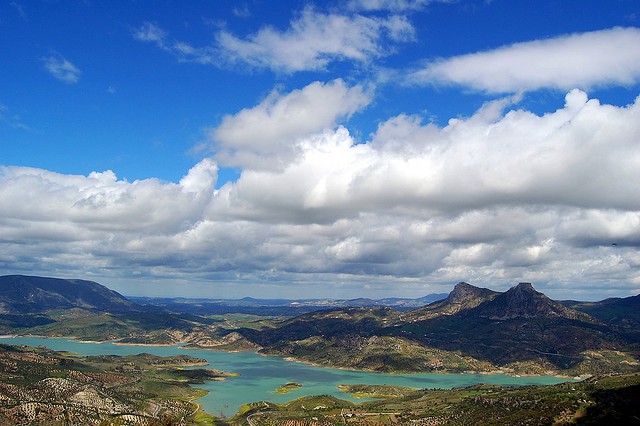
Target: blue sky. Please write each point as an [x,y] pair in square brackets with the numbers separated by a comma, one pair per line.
[322,149]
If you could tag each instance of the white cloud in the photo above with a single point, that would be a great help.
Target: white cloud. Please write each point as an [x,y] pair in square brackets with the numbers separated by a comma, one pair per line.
[241,11]
[62,69]
[101,202]
[584,60]
[269,134]
[495,198]
[10,119]
[314,40]
[150,33]
[391,5]
[583,156]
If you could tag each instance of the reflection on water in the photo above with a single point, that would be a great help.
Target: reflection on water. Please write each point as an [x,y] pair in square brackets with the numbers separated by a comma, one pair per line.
[260,376]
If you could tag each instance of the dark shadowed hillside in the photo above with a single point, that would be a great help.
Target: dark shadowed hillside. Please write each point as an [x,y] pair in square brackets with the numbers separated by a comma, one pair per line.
[20,294]
[86,310]
[623,312]
[472,329]
[523,301]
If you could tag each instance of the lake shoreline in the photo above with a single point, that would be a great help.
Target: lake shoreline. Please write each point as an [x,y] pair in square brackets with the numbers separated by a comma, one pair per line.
[260,374]
[507,372]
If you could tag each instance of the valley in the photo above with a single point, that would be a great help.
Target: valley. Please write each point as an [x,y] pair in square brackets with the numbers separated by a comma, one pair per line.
[471,331]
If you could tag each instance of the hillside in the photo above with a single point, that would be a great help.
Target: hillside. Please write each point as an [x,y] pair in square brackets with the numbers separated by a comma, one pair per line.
[523,301]
[473,329]
[623,312]
[20,294]
[89,311]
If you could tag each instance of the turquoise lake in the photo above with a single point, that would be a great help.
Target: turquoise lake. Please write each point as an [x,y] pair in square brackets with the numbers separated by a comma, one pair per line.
[260,376]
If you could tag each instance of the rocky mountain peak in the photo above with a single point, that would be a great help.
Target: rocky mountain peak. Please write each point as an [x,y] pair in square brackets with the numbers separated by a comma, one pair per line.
[463,296]
[468,295]
[525,287]
[523,301]
[524,295]
[462,292]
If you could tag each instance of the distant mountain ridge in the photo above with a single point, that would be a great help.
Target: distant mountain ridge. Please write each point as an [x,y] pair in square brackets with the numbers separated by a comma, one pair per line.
[86,310]
[621,311]
[520,329]
[287,307]
[22,294]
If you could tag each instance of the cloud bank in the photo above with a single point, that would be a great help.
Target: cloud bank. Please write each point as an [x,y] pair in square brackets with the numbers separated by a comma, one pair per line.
[584,60]
[502,196]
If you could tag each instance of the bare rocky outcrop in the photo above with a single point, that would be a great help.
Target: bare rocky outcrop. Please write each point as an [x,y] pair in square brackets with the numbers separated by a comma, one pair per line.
[523,301]
[463,296]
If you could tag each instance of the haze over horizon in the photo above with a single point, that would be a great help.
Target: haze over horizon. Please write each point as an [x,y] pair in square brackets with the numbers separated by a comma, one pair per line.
[338,149]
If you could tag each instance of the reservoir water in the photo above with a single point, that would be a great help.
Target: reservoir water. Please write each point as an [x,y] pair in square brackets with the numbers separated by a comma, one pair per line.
[260,376]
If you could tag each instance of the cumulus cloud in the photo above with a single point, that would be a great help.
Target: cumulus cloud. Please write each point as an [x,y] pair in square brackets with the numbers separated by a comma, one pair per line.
[502,196]
[62,69]
[101,202]
[584,60]
[583,155]
[271,133]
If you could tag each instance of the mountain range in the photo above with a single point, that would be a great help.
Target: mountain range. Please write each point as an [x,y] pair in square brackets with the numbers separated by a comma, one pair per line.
[471,329]
[84,309]
[287,307]
[21,294]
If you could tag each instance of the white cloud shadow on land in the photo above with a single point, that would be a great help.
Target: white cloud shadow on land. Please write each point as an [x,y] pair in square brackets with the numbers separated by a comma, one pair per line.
[494,198]
[583,60]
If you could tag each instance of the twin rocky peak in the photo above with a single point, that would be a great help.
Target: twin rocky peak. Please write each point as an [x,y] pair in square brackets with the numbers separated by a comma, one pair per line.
[521,301]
